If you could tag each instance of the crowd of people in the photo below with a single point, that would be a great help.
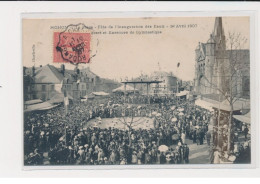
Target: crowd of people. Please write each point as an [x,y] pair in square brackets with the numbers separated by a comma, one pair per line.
[53,137]
[239,149]
[142,99]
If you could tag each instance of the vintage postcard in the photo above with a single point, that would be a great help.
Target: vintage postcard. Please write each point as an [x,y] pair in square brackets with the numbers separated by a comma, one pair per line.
[136,91]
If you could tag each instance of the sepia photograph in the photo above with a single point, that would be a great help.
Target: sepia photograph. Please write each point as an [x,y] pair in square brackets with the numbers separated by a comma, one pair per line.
[136,91]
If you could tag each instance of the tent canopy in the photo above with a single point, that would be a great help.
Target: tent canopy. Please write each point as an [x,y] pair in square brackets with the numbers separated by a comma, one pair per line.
[59,98]
[123,89]
[40,106]
[244,118]
[100,93]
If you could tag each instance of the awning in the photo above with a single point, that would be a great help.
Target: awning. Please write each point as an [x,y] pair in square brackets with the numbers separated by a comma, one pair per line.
[224,107]
[243,118]
[49,107]
[31,102]
[239,103]
[204,104]
[237,106]
[40,106]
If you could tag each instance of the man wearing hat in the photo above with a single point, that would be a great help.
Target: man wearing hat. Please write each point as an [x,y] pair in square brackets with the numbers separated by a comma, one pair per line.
[246,130]
[186,153]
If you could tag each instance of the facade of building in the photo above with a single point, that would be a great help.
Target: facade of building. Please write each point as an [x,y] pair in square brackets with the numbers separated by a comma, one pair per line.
[219,70]
[28,93]
[168,84]
[95,83]
[45,82]
[42,83]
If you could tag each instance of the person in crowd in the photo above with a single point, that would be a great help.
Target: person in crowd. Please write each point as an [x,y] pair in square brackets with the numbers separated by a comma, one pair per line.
[208,137]
[246,130]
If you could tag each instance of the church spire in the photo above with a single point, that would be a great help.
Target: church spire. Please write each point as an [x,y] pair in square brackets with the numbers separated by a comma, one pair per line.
[219,35]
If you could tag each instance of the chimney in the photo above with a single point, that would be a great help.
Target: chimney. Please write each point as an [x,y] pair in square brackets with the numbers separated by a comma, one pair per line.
[63,69]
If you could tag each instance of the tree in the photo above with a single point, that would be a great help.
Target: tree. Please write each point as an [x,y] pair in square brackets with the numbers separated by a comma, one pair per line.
[131,121]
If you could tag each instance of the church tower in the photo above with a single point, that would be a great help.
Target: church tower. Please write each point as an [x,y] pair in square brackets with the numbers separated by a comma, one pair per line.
[220,39]
[209,64]
[210,60]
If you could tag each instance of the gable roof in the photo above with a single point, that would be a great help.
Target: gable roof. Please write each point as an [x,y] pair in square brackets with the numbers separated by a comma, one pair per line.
[89,73]
[48,74]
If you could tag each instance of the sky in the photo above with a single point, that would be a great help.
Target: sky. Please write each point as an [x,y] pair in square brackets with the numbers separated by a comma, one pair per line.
[119,55]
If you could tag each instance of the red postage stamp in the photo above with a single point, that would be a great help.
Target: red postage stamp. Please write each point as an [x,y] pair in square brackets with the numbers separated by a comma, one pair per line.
[71,47]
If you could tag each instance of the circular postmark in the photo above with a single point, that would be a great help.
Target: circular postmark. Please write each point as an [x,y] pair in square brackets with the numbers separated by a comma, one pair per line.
[73,44]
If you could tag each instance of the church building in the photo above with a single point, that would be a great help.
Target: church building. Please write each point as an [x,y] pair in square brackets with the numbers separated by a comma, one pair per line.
[220,69]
